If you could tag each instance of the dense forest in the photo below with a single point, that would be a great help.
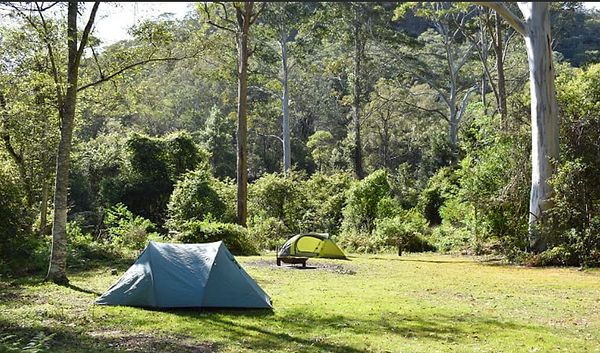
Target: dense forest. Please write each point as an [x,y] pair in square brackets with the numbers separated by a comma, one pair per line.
[388,125]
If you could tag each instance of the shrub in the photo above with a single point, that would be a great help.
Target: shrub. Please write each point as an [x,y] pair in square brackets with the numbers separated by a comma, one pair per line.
[407,232]
[234,236]
[277,196]
[326,198]
[267,233]
[561,255]
[16,240]
[443,185]
[363,199]
[126,229]
[82,247]
[195,198]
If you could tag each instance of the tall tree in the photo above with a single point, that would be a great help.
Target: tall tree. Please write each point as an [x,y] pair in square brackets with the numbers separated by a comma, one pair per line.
[535,29]
[245,16]
[66,78]
[442,62]
[282,24]
[67,102]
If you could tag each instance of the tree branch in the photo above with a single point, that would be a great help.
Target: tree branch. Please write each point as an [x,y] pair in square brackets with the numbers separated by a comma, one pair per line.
[257,14]
[508,15]
[86,32]
[130,66]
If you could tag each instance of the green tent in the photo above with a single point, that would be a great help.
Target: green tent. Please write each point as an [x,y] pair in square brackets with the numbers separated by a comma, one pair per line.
[186,275]
[311,245]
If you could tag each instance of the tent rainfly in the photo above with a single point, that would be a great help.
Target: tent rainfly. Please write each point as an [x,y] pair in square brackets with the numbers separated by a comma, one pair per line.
[311,245]
[169,275]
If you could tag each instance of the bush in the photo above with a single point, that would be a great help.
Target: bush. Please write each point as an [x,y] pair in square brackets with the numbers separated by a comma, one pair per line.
[268,233]
[407,232]
[195,198]
[561,255]
[326,198]
[82,247]
[363,200]
[277,196]
[16,239]
[126,229]
[442,186]
[234,236]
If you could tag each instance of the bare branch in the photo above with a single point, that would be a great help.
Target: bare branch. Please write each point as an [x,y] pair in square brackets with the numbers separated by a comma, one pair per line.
[130,66]
[46,38]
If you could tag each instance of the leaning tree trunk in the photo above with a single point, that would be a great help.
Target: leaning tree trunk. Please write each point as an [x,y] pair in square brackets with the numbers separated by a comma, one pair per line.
[285,99]
[544,118]
[242,128]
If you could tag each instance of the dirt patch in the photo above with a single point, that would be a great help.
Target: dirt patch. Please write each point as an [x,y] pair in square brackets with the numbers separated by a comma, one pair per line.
[146,342]
[329,267]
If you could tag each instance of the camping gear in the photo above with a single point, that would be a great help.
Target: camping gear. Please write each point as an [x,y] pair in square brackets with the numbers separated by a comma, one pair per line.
[302,246]
[169,275]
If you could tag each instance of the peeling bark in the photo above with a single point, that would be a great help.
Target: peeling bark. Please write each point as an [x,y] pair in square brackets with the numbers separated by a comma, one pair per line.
[544,117]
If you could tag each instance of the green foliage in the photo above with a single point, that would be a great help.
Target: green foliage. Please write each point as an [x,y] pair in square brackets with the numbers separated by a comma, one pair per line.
[277,196]
[574,219]
[326,198]
[138,171]
[442,186]
[234,236]
[126,229]
[366,200]
[408,232]
[83,248]
[16,239]
[321,144]
[195,198]
[218,138]
[267,233]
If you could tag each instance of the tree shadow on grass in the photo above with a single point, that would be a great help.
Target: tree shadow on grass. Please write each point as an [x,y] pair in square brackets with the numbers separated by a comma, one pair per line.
[306,332]
[67,339]
[82,290]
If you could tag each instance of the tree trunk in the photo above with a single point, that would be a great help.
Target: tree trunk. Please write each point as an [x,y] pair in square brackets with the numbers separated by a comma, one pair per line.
[287,157]
[453,121]
[57,271]
[242,128]
[500,70]
[358,51]
[58,255]
[44,207]
[544,118]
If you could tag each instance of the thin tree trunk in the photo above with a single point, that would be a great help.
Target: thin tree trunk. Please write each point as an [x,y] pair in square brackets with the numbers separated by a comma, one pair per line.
[44,207]
[242,128]
[544,118]
[500,70]
[287,157]
[57,271]
[58,255]
[358,51]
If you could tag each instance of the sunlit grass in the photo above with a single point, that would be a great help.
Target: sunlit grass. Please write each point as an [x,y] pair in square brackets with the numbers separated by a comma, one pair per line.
[414,303]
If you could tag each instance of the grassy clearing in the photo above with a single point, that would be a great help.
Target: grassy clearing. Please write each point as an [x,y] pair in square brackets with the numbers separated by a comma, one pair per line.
[416,303]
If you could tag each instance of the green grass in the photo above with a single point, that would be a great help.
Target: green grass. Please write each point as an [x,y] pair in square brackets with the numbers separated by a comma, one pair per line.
[414,303]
